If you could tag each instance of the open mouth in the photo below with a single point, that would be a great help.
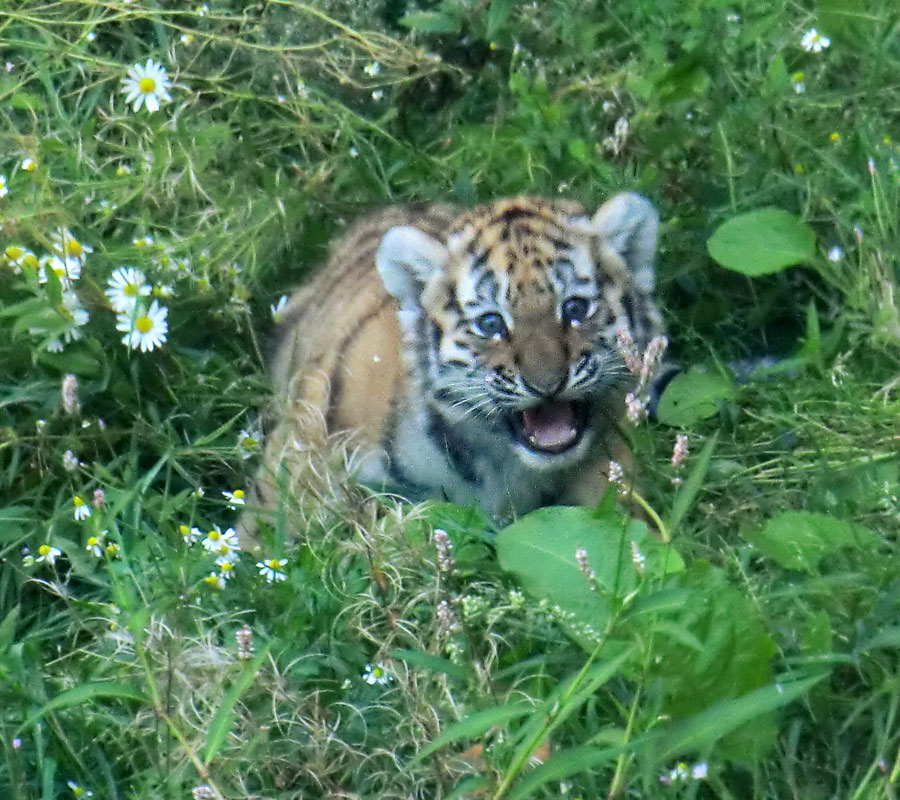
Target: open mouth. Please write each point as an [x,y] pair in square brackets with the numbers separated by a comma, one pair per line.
[553,427]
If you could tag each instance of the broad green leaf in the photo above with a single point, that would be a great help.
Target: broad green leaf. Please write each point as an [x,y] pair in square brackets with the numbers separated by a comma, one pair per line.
[693,484]
[474,725]
[85,693]
[702,730]
[497,16]
[801,539]
[224,718]
[431,22]
[692,396]
[713,647]
[540,549]
[761,242]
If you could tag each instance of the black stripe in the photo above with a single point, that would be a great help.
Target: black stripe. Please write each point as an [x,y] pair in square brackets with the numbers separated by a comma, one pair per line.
[455,448]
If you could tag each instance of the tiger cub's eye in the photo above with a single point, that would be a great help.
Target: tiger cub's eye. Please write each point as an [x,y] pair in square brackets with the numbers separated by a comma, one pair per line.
[575,310]
[491,325]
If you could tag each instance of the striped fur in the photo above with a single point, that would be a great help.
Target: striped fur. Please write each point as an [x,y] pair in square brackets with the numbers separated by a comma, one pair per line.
[472,352]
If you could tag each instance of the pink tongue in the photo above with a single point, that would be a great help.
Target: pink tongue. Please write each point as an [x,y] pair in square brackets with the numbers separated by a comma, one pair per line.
[550,425]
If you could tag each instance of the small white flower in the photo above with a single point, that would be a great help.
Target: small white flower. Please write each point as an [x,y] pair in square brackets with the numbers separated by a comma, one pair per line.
[74,316]
[302,91]
[378,94]
[814,42]
[91,36]
[4,189]
[248,443]
[29,164]
[835,254]
[235,498]
[82,509]
[279,307]
[699,771]
[187,38]
[48,554]
[144,328]
[66,245]
[79,791]
[271,569]
[95,546]
[372,69]
[216,580]
[126,286]
[20,257]
[190,535]
[68,270]
[354,153]
[146,84]
[377,673]
[222,543]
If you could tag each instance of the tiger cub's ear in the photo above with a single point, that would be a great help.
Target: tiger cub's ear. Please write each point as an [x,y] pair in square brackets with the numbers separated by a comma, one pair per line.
[628,223]
[406,260]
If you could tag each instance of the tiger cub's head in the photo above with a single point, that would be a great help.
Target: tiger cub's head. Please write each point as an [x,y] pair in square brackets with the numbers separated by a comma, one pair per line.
[511,316]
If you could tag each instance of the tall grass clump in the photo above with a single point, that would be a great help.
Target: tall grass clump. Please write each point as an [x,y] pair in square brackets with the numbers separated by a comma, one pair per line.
[723,624]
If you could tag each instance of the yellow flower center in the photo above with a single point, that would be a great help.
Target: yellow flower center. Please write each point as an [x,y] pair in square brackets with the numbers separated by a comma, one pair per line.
[28,165]
[30,260]
[377,672]
[60,271]
[215,535]
[111,549]
[78,501]
[147,85]
[74,248]
[144,324]
[14,251]
[131,289]
[238,494]
[226,566]
[92,541]
[43,549]
[184,530]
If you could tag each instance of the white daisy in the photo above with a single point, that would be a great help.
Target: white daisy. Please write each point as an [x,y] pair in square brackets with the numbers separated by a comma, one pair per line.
[95,546]
[222,543]
[814,42]
[235,498]
[29,164]
[68,270]
[4,189]
[20,257]
[67,246]
[372,69]
[270,569]
[248,443]
[190,535]
[74,316]
[146,84]
[126,286]
[48,554]
[144,328]
[835,253]
[377,673]
[82,509]
[216,580]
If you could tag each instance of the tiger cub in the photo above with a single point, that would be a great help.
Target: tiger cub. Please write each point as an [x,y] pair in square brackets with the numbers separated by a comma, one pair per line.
[473,352]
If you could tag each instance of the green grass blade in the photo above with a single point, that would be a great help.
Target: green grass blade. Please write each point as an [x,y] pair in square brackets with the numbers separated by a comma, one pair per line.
[85,693]
[224,718]
[475,724]
[692,485]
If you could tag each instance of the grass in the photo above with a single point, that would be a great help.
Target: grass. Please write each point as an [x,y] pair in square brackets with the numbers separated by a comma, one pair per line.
[756,656]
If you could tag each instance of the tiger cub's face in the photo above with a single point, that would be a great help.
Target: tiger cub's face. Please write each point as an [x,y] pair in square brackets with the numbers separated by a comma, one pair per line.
[511,319]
